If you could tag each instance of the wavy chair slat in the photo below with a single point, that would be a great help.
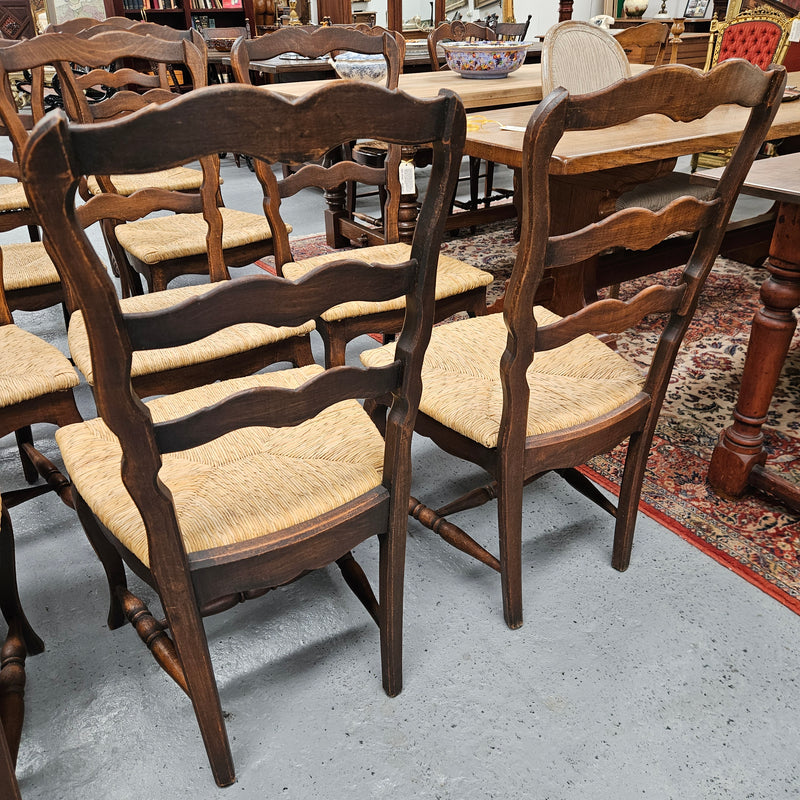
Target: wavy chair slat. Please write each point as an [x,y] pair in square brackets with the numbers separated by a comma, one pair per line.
[330,177]
[115,206]
[270,300]
[610,316]
[275,407]
[672,83]
[634,228]
[117,79]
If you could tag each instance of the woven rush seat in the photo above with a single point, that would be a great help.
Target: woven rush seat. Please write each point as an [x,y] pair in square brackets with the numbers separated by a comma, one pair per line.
[235,339]
[569,385]
[26,265]
[452,278]
[303,471]
[156,239]
[12,197]
[31,367]
[177,179]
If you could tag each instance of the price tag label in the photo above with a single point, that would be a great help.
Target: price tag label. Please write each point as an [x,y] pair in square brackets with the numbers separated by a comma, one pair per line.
[407,184]
[794,33]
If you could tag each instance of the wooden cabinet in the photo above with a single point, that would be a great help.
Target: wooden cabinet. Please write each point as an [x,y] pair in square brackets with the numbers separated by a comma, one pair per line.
[187,13]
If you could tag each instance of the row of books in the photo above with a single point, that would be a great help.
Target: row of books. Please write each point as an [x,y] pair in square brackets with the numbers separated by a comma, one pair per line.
[150,5]
[214,4]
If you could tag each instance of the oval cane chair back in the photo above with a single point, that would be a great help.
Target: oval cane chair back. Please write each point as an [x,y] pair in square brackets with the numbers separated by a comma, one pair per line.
[531,392]
[581,58]
[207,537]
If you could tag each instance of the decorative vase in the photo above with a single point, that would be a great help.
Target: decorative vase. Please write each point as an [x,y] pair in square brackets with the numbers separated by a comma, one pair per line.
[634,8]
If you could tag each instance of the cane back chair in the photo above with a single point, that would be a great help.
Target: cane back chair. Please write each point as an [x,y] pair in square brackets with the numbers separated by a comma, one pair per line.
[161,486]
[528,392]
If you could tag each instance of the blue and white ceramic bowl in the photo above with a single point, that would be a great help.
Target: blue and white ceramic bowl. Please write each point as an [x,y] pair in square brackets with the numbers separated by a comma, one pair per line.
[485,59]
[360,67]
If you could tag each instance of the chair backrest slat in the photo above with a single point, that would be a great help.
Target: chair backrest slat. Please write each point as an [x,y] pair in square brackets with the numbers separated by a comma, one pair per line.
[276,407]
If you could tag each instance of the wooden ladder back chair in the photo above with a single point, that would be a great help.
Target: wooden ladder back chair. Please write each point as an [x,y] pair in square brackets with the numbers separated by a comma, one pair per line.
[459,287]
[645,43]
[582,58]
[512,31]
[327,479]
[457,31]
[529,392]
[158,249]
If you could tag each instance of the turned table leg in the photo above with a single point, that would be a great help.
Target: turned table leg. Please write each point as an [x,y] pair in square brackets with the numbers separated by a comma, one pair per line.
[740,448]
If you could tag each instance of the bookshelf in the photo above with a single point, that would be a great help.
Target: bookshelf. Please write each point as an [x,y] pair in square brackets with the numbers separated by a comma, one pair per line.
[187,13]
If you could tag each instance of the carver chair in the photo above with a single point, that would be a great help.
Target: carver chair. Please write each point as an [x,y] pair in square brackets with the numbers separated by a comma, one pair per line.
[529,392]
[167,487]
[759,35]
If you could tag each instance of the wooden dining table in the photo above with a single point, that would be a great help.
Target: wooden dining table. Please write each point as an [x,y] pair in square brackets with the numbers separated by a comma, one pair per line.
[591,169]
[524,86]
[739,457]
[521,87]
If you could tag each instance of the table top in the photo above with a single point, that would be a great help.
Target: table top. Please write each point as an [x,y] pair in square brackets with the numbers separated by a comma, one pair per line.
[416,56]
[646,139]
[522,86]
[774,178]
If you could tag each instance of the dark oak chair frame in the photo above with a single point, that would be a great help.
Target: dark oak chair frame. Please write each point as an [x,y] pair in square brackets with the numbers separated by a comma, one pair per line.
[682,94]
[274,130]
[336,334]
[339,221]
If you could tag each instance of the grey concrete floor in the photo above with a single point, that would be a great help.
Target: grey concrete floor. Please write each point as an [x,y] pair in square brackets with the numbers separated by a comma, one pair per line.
[676,679]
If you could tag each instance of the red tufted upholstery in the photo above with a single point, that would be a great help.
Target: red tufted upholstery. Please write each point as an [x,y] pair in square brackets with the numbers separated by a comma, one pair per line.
[755,40]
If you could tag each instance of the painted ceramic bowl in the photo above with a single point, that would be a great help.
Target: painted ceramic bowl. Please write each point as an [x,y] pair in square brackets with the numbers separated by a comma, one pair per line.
[360,67]
[222,45]
[485,59]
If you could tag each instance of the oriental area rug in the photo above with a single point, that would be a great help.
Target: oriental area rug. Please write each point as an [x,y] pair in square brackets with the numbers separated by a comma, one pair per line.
[757,538]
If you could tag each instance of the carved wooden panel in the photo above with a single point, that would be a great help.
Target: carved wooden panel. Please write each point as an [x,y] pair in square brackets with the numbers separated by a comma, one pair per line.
[16,20]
